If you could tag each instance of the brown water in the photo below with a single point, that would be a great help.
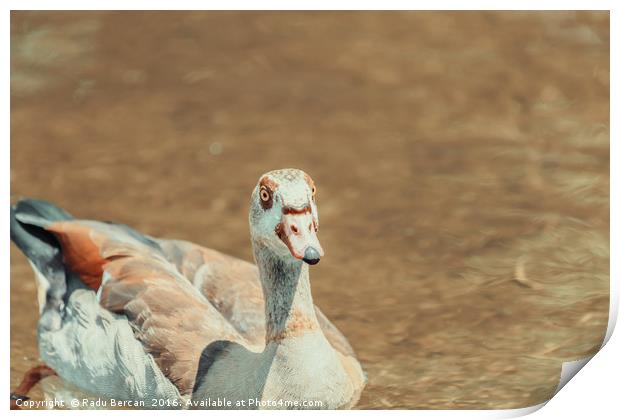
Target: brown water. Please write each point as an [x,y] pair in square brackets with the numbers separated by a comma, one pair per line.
[461,159]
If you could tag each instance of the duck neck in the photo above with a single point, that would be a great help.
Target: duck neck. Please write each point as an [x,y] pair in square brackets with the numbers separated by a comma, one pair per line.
[289,310]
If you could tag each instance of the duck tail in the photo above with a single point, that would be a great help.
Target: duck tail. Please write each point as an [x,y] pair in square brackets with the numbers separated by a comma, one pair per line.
[29,220]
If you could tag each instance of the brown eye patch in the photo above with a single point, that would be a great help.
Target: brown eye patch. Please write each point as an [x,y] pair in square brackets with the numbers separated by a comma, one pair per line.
[265,193]
[310,184]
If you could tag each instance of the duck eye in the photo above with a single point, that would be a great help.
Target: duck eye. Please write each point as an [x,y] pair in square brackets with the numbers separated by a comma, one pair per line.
[264,194]
[313,190]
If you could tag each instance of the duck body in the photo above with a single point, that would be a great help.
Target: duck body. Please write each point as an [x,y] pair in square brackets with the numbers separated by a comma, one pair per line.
[126,316]
[318,381]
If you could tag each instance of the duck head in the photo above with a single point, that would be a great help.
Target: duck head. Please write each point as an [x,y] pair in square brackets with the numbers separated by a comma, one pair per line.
[284,217]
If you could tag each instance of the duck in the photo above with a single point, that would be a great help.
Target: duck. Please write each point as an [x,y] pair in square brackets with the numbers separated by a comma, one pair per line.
[126,316]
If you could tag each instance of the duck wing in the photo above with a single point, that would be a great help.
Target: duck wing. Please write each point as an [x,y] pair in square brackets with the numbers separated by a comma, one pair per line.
[230,284]
[169,318]
[173,321]
[233,287]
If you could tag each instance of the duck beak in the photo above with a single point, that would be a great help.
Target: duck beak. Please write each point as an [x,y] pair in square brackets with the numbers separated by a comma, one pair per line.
[298,231]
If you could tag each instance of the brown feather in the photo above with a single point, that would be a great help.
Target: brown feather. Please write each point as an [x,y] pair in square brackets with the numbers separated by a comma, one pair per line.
[172,320]
[81,251]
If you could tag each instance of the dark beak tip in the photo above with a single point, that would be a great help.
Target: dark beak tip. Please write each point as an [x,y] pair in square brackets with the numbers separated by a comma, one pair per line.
[311,256]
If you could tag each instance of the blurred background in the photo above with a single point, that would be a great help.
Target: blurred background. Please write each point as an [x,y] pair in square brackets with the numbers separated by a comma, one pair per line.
[461,160]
